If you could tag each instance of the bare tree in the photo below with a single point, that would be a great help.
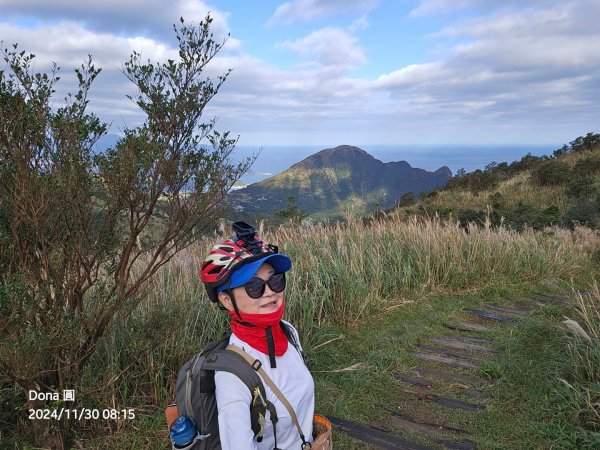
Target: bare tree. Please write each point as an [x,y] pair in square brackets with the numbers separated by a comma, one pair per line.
[81,232]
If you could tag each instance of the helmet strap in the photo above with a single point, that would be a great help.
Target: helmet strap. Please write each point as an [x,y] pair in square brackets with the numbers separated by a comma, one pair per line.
[232,297]
[235,307]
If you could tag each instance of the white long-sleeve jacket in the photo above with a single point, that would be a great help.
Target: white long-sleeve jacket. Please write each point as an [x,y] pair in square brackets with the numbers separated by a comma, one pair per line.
[233,401]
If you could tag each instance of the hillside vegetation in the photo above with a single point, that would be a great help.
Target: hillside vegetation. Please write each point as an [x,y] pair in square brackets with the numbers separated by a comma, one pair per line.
[333,181]
[537,191]
[344,277]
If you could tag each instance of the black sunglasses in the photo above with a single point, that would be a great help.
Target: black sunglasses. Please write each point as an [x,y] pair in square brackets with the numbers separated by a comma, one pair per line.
[255,286]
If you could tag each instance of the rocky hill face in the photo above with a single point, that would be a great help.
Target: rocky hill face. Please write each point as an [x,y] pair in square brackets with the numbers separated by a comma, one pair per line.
[336,178]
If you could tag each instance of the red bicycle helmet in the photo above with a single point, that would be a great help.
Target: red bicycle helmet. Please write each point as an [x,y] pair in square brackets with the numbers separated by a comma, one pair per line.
[226,257]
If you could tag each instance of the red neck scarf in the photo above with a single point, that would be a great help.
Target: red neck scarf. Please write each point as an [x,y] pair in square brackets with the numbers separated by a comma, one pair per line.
[256,336]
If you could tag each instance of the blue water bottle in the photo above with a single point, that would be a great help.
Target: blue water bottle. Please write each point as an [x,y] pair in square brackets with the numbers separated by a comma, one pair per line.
[183,431]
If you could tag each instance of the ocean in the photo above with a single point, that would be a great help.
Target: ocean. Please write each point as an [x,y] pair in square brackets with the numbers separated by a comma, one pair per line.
[273,160]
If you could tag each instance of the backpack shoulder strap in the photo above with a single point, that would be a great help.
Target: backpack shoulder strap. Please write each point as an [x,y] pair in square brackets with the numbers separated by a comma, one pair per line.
[216,345]
[248,372]
[256,365]
[195,386]
[292,337]
[227,361]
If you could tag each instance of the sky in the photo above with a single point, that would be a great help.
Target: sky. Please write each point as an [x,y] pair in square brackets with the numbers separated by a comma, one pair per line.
[332,72]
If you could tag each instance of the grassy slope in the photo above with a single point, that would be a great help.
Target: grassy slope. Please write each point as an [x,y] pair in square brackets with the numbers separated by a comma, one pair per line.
[518,189]
[526,411]
[398,320]
[384,287]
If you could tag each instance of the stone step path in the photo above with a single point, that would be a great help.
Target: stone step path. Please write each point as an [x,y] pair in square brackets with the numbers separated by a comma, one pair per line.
[468,326]
[375,437]
[451,341]
[450,362]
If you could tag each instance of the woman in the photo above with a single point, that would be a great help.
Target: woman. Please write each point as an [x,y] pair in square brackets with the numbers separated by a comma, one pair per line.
[247,277]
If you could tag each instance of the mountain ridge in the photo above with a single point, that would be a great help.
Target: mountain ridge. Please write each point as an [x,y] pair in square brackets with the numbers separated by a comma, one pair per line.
[334,177]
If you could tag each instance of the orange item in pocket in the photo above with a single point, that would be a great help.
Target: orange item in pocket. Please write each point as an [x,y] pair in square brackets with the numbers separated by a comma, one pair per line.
[171,414]
[322,434]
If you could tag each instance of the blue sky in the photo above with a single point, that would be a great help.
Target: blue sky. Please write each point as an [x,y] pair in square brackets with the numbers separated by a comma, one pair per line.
[315,72]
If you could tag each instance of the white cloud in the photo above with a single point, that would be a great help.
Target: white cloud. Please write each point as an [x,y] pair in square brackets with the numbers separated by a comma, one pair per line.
[552,38]
[412,75]
[520,67]
[359,24]
[331,49]
[510,73]
[434,7]
[307,10]
[66,31]
[68,44]
[152,18]
[257,95]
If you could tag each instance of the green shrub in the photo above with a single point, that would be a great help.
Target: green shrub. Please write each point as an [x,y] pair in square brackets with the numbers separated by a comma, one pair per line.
[583,187]
[525,214]
[429,194]
[527,162]
[590,141]
[584,212]
[466,216]
[550,216]
[587,166]
[86,231]
[551,173]
[444,213]
[407,199]
[496,200]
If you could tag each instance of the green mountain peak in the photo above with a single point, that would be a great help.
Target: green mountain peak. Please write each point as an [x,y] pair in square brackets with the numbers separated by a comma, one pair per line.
[327,180]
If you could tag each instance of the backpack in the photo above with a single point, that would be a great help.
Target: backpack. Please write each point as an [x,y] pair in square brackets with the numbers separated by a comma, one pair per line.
[195,391]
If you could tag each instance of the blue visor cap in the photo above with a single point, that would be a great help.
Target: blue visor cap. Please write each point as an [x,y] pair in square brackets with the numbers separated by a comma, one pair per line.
[279,262]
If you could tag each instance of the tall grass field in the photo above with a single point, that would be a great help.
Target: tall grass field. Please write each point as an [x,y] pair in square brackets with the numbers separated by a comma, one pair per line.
[343,275]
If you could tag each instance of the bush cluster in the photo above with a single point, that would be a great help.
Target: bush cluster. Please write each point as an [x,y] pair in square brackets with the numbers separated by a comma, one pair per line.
[581,183]
[493,174]
[546,170]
